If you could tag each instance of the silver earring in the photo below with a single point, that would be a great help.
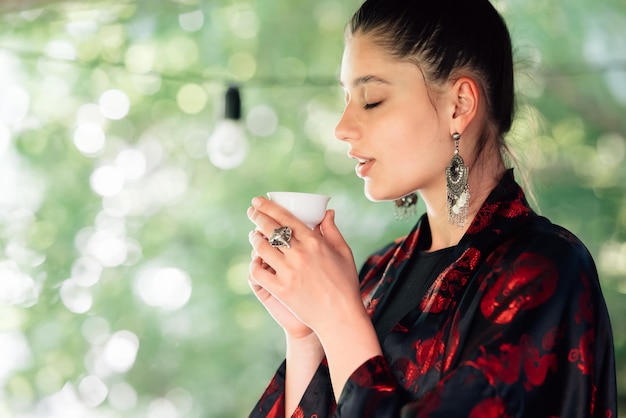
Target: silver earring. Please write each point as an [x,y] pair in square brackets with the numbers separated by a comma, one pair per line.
[405,206]
[458,188]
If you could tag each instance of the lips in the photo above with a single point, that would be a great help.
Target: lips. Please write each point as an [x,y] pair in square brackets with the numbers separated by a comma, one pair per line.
[364,164]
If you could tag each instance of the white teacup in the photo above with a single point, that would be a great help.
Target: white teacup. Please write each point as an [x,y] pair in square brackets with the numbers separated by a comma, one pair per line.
[308,207]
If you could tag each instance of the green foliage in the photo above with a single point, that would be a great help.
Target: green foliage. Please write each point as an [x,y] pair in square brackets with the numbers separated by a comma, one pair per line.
[100,247]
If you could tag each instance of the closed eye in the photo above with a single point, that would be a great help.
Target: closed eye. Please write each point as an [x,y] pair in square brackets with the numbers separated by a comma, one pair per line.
[371,105]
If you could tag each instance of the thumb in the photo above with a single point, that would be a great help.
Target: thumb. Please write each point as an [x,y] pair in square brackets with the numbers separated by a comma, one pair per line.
[331,233]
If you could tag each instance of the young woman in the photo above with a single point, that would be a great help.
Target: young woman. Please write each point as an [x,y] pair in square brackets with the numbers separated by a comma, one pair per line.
[485,309]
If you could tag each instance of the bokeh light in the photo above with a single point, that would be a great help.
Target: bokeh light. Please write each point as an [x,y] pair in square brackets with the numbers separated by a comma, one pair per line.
[191,98]
[107,247]
[89,139]
[5,139]
[244,23]
[14,103]
[132,163]
[16,287]
[167,288]
[191,21]
[14,351]
[114,104]
[86,271]
[120,351]
[612,149]
[262,120]
[122,396]
[107,180]
[140,56]
[76,298]
[62,50]
[242,65]
[92,391]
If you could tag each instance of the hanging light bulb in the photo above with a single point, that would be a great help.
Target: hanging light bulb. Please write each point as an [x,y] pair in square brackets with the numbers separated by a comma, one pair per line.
[227,146]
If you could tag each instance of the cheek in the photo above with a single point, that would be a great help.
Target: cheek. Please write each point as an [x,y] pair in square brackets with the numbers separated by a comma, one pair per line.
[408,141]
[418,152]
[412,134]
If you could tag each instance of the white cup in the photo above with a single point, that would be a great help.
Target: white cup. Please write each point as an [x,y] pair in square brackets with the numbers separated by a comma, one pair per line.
[310,208]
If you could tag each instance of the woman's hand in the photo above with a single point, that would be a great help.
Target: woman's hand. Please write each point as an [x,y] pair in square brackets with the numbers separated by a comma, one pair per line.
[315,279]
[293,327]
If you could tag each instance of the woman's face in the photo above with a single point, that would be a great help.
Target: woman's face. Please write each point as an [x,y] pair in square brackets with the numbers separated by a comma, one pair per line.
[395,130]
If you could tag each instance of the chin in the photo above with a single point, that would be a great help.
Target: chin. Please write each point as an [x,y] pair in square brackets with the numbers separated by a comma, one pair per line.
[376,196]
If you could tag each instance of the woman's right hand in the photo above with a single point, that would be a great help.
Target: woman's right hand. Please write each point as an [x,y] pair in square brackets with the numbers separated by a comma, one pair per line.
[294,328]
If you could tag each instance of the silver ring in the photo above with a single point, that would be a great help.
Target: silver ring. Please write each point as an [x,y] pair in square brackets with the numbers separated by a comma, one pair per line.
[280,237]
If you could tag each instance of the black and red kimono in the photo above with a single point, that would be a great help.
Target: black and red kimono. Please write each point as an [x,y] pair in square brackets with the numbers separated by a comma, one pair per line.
[515,326]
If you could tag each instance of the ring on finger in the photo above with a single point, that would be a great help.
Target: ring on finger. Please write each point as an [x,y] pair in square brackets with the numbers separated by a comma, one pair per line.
[281,237]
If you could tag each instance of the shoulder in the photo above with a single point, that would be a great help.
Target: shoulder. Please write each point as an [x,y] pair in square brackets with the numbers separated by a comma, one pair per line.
[542,238]
[541,253]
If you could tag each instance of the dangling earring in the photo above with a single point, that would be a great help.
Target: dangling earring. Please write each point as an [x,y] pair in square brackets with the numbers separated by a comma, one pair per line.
[458,189]
[405,206]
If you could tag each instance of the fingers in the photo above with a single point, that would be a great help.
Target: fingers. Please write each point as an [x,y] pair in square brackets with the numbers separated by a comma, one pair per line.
[265,226]
[262,250]
[258,270]
[268,216]
[257,289]
[262,276]
[254,256]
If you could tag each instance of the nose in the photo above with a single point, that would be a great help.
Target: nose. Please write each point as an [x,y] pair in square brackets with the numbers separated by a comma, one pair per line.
[347,127]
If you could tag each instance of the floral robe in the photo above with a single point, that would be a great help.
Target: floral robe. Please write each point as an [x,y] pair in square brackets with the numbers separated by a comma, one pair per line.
[516,326]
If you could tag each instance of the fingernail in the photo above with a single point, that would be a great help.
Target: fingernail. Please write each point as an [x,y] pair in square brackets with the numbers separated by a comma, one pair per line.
[250,211]
[256,201]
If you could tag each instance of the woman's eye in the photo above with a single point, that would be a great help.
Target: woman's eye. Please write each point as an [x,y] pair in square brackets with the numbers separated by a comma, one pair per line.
[371,105]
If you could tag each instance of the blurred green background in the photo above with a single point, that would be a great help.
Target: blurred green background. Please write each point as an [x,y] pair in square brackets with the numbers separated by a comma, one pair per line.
[123,243]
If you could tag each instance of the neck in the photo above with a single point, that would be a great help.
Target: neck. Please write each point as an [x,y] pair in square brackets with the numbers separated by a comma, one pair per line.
[481,182]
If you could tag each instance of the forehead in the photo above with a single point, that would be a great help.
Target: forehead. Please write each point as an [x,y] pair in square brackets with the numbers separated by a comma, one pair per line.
[367,62]
[361,49]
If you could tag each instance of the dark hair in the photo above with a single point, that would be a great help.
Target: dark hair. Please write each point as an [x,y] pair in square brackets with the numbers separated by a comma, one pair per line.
[447,38]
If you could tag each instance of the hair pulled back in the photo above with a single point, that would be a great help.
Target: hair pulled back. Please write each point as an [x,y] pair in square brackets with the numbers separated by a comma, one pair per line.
[446,39]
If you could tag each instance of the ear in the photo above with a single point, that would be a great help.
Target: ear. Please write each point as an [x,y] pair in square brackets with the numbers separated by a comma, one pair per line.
[466,99]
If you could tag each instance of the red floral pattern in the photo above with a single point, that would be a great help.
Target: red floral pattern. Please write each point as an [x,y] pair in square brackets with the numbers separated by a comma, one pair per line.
[490,408]
[530,282]
[583,355]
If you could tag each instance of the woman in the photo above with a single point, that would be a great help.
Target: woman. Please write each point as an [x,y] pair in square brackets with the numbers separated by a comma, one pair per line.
[485,309]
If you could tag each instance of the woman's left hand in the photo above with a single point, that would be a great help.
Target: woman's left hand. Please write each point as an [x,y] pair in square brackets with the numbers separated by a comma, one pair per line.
[316,278]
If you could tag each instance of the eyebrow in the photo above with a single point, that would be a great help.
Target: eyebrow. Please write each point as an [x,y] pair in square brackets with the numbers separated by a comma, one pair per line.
[359,81]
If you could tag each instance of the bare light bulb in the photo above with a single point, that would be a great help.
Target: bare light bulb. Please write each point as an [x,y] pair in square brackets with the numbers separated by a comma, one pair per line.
[227,146]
